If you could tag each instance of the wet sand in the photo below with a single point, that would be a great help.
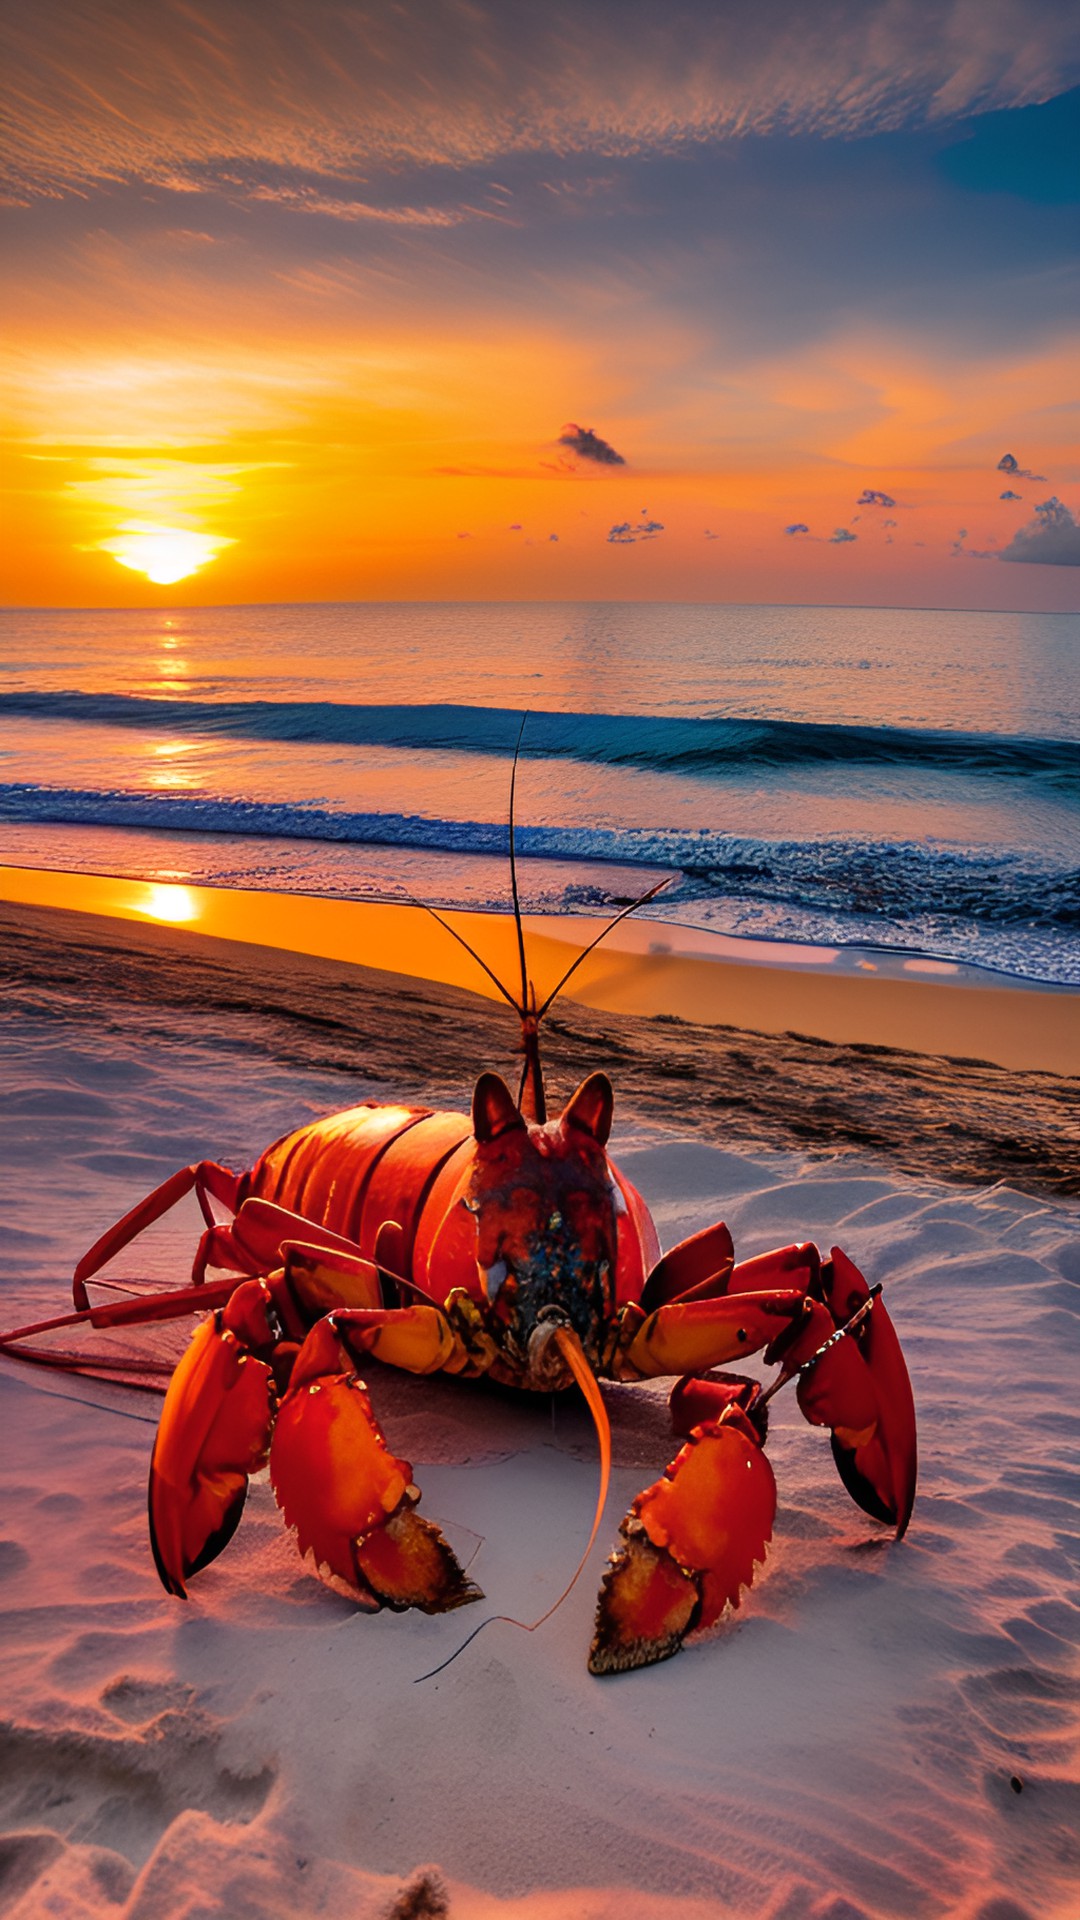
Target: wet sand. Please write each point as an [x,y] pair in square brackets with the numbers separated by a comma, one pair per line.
[399,1037]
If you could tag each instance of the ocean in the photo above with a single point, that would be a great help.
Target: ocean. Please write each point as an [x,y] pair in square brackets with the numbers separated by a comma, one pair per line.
[906,780]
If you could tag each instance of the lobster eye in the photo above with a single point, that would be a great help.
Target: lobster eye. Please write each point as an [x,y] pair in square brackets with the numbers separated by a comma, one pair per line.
[741,1335]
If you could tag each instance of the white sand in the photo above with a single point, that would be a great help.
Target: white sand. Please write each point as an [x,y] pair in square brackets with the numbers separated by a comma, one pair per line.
[842,1747]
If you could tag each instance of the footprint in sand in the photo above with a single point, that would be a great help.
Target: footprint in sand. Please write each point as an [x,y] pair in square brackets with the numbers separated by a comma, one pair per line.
[121,1791]
[138,1701]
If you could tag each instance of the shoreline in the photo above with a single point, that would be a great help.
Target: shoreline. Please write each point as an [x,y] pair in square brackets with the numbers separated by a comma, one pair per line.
[848,996]
[967,1122]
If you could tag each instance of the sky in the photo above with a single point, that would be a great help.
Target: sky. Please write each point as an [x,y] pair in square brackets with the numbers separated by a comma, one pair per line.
[329,300]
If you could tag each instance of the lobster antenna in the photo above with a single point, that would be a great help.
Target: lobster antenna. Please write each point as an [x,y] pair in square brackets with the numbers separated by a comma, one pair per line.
[841,1333]
[602,935]
[570,1348]
[513,873]
[462,942]
[521,1007]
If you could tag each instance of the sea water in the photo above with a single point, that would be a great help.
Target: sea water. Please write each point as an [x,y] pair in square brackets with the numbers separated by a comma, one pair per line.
[901,779]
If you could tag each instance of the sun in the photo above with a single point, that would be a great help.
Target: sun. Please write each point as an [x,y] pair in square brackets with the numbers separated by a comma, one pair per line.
[163,554]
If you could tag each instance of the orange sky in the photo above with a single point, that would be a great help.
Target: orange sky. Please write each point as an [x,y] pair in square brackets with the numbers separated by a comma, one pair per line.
[310,368]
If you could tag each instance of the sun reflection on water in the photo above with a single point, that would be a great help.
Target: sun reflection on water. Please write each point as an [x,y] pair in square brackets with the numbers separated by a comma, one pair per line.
[169,903]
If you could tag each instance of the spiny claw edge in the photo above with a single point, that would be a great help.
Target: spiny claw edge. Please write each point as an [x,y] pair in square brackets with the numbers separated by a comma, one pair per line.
[644,1588]
[407,1563]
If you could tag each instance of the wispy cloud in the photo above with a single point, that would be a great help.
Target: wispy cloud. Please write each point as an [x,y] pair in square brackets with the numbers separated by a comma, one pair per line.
[337,207]
[153,93]
[797,526]
[1051,539]
[1010,495]
[842,537]
[873,497]
[589,446]
[959,551]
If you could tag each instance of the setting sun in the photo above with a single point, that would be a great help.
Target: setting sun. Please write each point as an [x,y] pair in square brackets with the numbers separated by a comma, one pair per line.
[163,554]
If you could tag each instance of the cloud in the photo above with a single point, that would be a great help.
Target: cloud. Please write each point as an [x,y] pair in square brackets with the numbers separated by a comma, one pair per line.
[841,537]
[960,552]
[797,526]
[872,497]
[553,536]
[589,446]
[710,535]
[624,534]
[1010,495]
[162,93]
[1010,464]
[306,199]
[1052,539]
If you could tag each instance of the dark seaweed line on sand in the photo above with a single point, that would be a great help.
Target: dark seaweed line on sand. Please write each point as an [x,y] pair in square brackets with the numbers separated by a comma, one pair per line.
[967,1122]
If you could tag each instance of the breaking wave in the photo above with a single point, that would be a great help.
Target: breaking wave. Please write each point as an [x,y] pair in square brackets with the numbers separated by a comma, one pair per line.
[705,747]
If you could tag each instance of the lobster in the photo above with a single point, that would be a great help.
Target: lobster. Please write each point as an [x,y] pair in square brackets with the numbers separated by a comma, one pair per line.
[504,1244]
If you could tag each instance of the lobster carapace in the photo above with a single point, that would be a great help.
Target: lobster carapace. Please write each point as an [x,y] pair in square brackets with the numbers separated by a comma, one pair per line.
[507,1244]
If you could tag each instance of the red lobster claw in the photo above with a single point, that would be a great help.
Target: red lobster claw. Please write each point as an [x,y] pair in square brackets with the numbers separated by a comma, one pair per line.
[860,1388]
[691,1542]
[350,1500]
[214,1433]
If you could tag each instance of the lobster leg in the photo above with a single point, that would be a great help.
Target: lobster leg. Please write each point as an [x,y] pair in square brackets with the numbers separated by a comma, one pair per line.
[697,1268]
[251,1243]
[205,1176]
[860,1388]
[690,1336]
[690,1544]
[350,1500]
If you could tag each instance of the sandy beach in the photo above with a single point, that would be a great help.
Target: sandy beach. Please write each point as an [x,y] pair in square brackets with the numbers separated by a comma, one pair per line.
[881,1729]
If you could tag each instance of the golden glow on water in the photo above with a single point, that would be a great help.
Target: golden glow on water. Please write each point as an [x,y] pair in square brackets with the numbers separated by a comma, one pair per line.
[173,781]
[163,554]
[170,903]
[176,772]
